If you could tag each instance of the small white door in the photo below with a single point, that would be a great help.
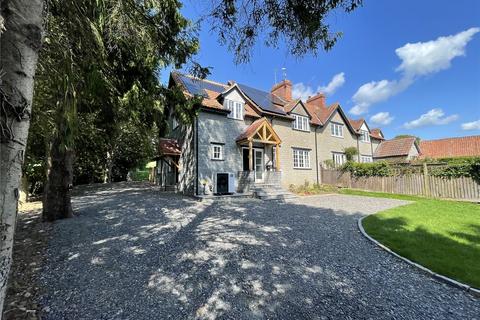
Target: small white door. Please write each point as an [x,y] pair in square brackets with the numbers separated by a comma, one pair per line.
[259,166]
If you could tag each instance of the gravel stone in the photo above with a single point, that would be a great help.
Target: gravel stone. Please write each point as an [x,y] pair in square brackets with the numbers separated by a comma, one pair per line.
[133,252]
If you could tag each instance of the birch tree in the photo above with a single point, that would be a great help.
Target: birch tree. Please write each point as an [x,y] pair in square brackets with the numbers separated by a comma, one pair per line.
[20,42]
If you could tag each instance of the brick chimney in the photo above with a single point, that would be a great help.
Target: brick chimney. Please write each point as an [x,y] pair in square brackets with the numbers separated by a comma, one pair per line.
[283,90]
[317,100]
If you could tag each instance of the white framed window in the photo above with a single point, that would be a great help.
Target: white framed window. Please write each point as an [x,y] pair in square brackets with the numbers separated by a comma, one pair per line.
[236,109]
[217,151]
[336,129]
[339,158]
[366,159]
[301,123]
[301,158]
[364,136]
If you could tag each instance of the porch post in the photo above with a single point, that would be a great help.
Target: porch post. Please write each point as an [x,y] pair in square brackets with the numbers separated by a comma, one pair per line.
[250,155]
[277,157]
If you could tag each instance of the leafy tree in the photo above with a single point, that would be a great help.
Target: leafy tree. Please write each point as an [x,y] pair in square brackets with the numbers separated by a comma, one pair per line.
[417,139]
[301,24]
[350,153]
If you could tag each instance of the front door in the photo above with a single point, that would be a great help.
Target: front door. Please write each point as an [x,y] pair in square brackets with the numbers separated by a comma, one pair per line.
[258,165]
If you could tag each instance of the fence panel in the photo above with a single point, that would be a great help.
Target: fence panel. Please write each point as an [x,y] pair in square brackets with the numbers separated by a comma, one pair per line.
[410,184]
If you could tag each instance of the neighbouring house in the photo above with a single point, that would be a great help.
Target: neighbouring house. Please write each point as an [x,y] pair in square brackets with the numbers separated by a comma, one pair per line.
[244,136]
[450,147]
[397,150]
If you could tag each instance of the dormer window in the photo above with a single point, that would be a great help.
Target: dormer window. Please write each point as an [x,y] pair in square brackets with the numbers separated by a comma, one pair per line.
[364,136]
[236,109]
[336,129]
[301,123]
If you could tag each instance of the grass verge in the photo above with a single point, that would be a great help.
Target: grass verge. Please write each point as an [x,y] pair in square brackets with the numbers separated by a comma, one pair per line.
[441,235]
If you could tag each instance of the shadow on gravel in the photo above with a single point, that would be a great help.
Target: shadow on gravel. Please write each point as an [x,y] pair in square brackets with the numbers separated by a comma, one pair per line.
[137,253]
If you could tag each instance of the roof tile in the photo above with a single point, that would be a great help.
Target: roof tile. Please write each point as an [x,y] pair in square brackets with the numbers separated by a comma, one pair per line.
[451,147]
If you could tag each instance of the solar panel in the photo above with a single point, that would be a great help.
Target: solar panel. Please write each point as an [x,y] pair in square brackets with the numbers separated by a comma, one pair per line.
[197,86]
[264,100]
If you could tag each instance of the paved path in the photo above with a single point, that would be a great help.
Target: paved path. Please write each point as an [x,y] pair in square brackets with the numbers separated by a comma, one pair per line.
[135,253]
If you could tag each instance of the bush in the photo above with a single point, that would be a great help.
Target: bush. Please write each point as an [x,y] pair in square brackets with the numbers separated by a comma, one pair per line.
[459,167]
[307,188]
[350,153]
[378,169]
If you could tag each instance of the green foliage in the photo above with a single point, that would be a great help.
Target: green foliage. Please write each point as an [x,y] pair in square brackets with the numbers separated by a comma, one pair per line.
[350,153]
[310,189]
[378,169]
[329,164]
[460,167]
[139,175]
[417,139]
[301,24]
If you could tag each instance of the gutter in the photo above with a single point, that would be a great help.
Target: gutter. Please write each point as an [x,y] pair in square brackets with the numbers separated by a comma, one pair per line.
[316,154]
[196,155]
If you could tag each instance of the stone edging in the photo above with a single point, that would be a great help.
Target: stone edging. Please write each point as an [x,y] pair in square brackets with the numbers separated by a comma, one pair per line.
[437,276]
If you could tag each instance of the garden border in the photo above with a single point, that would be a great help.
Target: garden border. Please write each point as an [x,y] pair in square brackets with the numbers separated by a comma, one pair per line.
[442,278]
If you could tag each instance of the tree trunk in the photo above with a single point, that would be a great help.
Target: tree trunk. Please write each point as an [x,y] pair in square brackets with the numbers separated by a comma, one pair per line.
[109,167]
[19,45]
[57,193]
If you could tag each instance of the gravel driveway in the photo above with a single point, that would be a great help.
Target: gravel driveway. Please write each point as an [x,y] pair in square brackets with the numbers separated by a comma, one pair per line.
[135,253]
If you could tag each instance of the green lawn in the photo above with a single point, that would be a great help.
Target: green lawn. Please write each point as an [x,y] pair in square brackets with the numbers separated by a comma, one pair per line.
[441,235]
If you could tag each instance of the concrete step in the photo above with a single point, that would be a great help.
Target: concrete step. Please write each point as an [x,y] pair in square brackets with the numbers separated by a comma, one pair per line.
[271,193]
[290,196]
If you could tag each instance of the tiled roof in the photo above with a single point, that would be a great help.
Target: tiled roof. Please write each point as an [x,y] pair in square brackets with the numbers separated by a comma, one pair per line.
[356,124]
[169,147]
[377,134]
[250,129]
[394,148]
[451,147]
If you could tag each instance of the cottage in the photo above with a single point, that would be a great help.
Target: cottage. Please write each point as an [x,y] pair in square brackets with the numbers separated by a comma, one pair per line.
[244,136]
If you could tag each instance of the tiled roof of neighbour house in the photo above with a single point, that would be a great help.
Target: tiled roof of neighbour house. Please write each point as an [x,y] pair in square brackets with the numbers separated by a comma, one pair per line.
[377,134]
[394,148]
[250,129]
[451,147]
[169,147]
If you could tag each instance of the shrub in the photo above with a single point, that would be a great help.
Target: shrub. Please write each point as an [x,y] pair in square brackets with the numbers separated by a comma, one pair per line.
[379,169]
[459,167]
[350,153]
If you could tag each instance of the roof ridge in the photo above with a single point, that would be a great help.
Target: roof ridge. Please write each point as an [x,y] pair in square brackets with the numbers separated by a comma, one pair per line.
[199,79]
[441,139]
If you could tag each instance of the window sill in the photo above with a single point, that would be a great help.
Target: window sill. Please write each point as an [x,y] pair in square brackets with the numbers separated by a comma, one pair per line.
[217,159]
[301,130]
[296,168]
[341,137]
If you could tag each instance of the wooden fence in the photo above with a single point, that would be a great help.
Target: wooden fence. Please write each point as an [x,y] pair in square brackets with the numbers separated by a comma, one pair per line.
[417,183]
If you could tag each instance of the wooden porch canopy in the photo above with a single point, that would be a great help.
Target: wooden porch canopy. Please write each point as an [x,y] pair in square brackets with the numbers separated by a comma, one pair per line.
[169,147]
[260,131]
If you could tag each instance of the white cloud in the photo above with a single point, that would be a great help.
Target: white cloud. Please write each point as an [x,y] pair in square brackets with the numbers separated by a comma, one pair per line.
[374,92]
[418,59]
[303,91]
[474,125]
[424,58]
[337,81]
[382,118]
[433,117]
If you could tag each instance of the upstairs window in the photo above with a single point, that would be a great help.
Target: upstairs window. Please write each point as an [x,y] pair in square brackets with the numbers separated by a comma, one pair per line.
[336,129]
[236,109]
[364,136]
[301,123]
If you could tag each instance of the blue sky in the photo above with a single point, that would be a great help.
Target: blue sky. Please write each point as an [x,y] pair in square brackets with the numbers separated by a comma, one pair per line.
[430,88]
